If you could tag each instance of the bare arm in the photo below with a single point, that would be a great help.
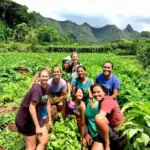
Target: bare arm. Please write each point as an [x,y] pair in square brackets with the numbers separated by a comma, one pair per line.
[73,89]
[60,98]
[32,110]
[90,93]
[115,93]
[83,108]
[89,90]
[49,110]
[69,88]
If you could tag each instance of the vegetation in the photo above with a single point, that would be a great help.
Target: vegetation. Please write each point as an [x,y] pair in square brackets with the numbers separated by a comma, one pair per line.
[12,14]
[21,31]
[133,97]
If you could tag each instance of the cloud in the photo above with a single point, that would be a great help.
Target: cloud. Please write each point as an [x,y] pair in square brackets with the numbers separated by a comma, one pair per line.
[118,12]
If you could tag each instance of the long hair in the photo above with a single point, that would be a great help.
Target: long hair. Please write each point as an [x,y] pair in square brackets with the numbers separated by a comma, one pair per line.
[76,89]
[37,75]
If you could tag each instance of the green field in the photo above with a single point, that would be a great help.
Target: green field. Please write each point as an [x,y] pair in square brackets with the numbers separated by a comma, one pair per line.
[135,85]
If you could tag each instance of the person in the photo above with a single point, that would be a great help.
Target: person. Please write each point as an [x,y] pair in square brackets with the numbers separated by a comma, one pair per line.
[58,90]
[75,64]
[66,73]
[82,82]
[110,81]
[103,118]
[28,120]
[77,108]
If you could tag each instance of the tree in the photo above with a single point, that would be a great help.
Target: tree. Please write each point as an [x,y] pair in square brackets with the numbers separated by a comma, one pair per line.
[5,32]
[20,32]
[13,13]
[47,34]
[145,34]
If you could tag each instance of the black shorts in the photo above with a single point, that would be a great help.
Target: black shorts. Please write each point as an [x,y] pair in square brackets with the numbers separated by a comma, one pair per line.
[113,137]
[27,130]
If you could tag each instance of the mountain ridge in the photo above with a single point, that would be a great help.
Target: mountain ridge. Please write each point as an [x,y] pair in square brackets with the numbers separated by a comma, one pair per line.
[85,33]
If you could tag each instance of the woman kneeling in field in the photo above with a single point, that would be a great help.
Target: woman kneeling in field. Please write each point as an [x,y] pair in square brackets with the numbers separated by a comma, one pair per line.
[28,119]
[103,118]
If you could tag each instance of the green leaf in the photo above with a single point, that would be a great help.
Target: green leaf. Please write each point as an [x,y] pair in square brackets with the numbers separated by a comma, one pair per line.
[126,106]
[145,138]
[131,132]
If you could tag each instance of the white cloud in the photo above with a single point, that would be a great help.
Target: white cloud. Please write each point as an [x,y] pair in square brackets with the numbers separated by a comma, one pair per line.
[113,10]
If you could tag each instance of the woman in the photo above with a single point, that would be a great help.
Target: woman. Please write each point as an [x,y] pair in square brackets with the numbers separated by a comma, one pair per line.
[103,119]
[75,64]
[77,108]
[58,89]
[82,82]
[28,119]
[66,74]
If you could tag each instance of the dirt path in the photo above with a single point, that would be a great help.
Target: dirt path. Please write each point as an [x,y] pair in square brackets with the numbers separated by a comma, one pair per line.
[8,110]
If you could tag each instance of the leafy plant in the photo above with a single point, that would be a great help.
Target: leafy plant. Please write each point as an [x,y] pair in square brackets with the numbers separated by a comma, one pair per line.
[137,125]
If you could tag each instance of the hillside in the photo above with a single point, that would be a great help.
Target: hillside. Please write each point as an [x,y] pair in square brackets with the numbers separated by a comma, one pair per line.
[13,14]
[86,34]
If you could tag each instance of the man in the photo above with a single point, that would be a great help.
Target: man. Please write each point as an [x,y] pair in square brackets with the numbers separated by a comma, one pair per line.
[110,81]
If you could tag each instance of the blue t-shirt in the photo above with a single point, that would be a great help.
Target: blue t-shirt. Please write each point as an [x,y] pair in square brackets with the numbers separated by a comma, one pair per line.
[76,82]
[109,84]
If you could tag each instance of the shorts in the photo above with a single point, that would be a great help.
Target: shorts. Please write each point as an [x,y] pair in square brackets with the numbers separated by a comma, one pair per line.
[43,113]
[27,130]
[113,136]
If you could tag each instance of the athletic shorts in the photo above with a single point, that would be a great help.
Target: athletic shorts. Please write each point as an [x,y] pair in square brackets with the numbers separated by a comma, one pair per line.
[27,130]
[113,136]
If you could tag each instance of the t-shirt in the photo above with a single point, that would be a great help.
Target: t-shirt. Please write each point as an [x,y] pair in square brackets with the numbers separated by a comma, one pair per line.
[77,83]
[109,84]
[56,89]
[111,107]
[107,105]
[36,94]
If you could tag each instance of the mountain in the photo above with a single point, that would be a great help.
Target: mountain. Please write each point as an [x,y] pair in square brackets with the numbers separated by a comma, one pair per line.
[131,32]
[15,13]
[85,33]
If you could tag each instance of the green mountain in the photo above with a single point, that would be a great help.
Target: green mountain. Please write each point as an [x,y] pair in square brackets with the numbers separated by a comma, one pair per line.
[13,13]
[86,34]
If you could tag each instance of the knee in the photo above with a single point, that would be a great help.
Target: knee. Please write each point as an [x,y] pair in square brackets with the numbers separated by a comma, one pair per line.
[45,141]
[100,119]
[30,147]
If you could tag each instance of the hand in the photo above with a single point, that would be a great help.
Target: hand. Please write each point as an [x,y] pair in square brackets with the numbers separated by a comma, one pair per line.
[39,131]
[84,143]
[89,139]
[50,126]
[107,147]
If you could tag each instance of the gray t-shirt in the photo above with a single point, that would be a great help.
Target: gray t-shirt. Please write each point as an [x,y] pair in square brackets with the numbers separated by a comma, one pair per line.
[56,89]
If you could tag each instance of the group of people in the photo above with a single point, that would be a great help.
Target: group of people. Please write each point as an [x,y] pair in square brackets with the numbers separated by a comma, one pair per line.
[94,103]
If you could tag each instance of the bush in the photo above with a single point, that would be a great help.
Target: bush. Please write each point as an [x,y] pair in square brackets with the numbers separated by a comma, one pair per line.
[143,54]
[16,47]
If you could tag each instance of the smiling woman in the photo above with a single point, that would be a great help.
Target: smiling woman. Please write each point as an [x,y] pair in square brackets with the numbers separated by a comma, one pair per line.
[82,82]
[58,90]
[28,119]
[103,117]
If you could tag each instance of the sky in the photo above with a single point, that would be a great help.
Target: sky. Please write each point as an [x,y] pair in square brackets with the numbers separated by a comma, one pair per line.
[97,13]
